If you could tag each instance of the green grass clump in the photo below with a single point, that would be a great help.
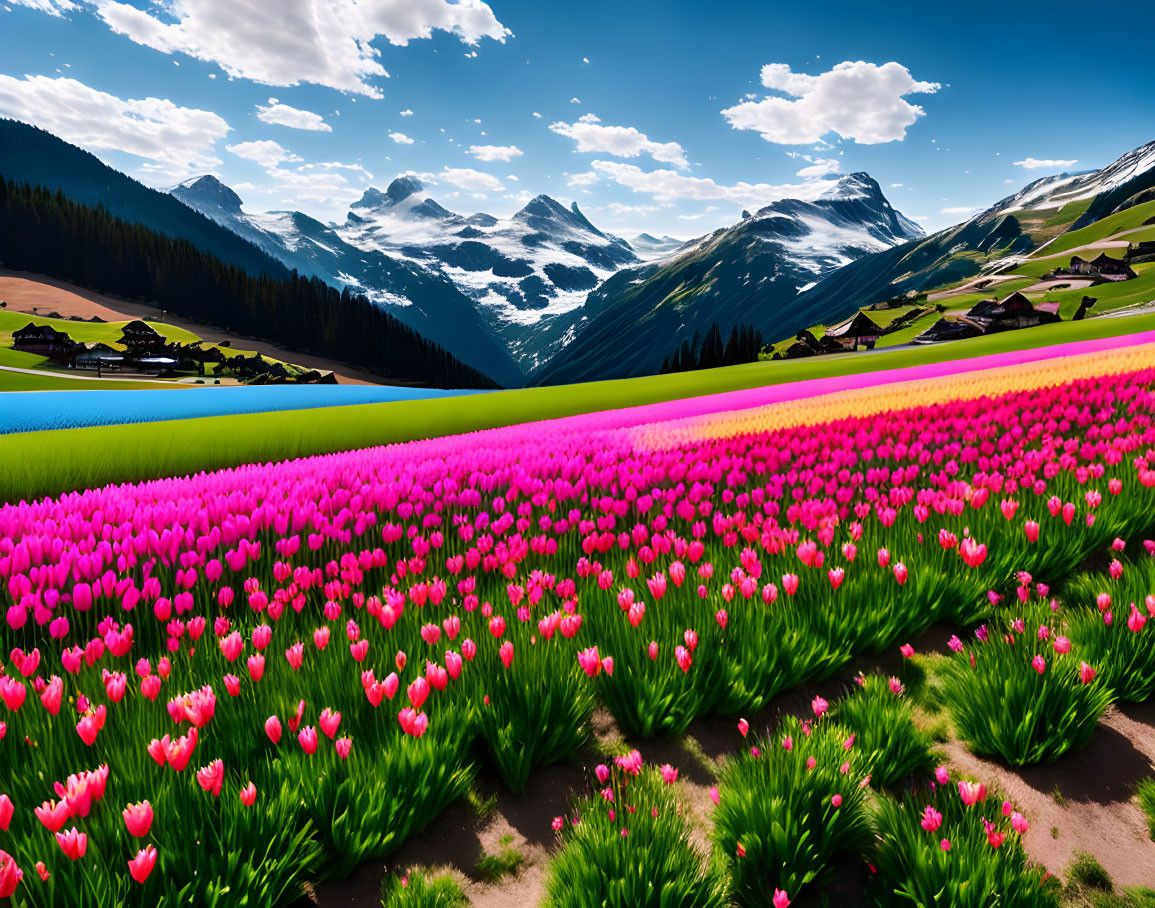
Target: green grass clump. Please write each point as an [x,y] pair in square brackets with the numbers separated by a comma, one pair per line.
[1003,705]
[786,813]
[634,850]
[505,862]
[419,888]
[1146,795]
[882,717]
[934,850]
[1087,873]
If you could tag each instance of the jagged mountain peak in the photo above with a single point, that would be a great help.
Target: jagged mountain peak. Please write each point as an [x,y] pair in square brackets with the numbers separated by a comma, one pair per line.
[403,187]
[207,190]
[857,185]
[545,213]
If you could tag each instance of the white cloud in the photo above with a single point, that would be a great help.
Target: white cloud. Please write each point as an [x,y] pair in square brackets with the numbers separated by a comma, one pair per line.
[896,185]
[325,42]
[579,180]
[406,113]
[575,100]
[176,141]
[400,138]
[265,152]
[470,180]
[958,209]
[1048,163]
[279,114]
[620,141]
[859,101]
[536,115]
[618,209]
[52,7]
[818,167]
[710,209]
[495,152]
[669,185]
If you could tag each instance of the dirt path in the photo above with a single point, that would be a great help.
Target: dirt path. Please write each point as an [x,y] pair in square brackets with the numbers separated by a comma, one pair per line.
[1085,801]
[1110,242]
[988,282]
[1053,284]
[24,292]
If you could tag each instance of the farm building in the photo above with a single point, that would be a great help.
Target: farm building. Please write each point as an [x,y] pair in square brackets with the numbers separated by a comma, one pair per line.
[97,356]
[947,330]
[1110,269]
[858,330]
[1016,311]
[43,339]
[139,336]
[804,345]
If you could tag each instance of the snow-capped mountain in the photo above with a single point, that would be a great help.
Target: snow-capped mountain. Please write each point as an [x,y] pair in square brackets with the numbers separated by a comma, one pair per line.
[1057,190]
[519,273]
[650,247]
[749,273]
[523,272]
[422,297]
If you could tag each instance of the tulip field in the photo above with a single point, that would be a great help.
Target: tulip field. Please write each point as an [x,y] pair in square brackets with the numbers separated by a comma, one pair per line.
[221,687]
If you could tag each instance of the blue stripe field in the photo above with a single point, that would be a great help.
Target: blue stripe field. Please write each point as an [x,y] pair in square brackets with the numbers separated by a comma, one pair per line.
[32,411]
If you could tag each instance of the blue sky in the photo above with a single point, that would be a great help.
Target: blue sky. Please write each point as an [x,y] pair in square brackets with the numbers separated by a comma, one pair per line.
[669,117]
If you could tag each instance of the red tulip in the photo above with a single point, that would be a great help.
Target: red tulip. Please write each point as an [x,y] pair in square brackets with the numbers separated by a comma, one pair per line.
[73,843]
[329,721]
[506,653]
[138,818]
[248,795]
[7,809]
[344,746]
[10,874]
[212,777]
[141,865]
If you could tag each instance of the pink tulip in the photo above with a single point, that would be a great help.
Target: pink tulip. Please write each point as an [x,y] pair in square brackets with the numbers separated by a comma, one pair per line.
[10,874]
[1039,664]
[344,746]
[212,777]
[743,727]
[73,843]
[1086,673]
[273,729]
[141,865]
[931,819]
[307,738]
[506,653]
[248,795]
[972,792]
[779,899]
[7,809]
[138,819]
[819,706]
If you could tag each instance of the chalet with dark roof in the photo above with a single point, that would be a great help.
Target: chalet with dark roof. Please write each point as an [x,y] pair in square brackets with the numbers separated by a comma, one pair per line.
[139,336]
[1110,269]
[946,329]
[857,330]
[804,345]
[43,339]
[1016,311]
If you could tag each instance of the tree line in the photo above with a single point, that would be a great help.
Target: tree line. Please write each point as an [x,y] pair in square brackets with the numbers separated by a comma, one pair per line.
[45,232]
[709,352]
